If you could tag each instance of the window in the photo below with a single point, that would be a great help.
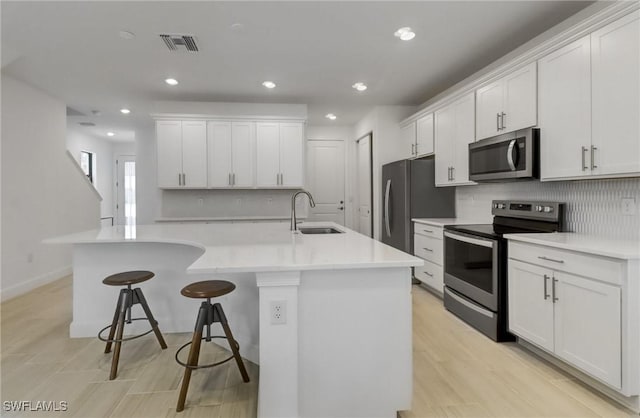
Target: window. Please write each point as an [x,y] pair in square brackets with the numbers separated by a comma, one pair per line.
[87,165]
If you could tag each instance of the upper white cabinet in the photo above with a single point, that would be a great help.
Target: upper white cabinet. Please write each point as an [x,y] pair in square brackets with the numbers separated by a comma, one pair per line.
[424,136]
[417,137]
[454,131]
[615,74]
[408,139]
[182,154]
[280,154]
[231,154]
[507,104]
[589,93]
[565,110]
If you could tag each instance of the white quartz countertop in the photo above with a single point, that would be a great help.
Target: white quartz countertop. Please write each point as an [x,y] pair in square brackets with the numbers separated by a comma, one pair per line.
[607,247]
[441,222]
[223,218]
[256,247]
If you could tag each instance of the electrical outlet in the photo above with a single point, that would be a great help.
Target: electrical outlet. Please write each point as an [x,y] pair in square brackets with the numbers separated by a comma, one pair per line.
[200,202]
[628,206]
[30,258]
[270,201]
[278,312]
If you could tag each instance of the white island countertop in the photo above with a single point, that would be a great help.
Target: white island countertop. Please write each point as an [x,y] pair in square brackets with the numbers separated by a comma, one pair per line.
[591,244]
[266,247]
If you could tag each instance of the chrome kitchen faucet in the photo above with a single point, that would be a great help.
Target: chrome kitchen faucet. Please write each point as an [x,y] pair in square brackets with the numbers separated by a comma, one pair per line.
[294,226]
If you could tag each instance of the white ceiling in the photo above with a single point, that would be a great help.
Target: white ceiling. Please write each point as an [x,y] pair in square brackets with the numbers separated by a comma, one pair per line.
[314,51]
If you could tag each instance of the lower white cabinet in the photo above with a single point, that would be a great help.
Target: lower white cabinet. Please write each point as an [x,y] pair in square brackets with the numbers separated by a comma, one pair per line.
[428,245]
[576,318]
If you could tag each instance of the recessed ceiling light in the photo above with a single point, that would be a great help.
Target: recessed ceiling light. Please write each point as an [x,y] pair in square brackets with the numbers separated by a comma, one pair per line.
[269,84]
[125,34]
[237,27]
[125,111]
[110,134]
[405,34]
[331,116]
[360,86]
[171,81]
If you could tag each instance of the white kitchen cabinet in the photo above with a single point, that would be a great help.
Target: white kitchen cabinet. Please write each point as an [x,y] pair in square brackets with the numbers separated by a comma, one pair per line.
[454,131]
[428,245]
[530,304]
[230,146]
[280,155]
[588,326]
[507,104]
[589,94]
[564,94]
[424,136]
[615,63]
[182,154]
[408,139]
[577,318]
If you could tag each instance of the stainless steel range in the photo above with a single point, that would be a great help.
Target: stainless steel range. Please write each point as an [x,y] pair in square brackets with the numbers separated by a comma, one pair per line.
[475,262]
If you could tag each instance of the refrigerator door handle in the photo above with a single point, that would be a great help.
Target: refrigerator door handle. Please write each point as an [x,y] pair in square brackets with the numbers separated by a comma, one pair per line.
[386,208]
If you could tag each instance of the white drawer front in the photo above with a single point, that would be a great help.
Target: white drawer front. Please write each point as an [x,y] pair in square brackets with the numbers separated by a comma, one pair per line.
[587,265]
[431,275]
[428,230]
[428,248]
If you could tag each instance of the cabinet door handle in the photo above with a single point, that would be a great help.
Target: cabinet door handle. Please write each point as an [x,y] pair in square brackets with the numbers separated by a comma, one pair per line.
[497,121]
[229,179]
[184,179]
[427,249]
[179,179]
[453,173]
[553,290]
[541,257]
[593,157]
[413,149]
[504,126]
[428,231]
[584,162]
[233,179]
[546,295]
[281,179]
[427,273]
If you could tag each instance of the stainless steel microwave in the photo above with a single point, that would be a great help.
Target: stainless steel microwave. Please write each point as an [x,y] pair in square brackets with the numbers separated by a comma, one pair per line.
[510,156]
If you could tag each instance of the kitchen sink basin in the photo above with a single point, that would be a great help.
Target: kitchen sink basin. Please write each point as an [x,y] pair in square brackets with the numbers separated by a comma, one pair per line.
[319,230]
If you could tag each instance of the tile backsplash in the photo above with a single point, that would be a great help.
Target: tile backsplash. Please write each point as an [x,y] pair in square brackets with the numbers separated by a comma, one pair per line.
[592,206]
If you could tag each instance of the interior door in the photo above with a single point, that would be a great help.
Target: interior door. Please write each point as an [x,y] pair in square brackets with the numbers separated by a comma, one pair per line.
[365,215]
[126,190]
[325,180]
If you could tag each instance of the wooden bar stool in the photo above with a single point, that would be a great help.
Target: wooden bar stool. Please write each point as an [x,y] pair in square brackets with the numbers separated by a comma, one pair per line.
[207,315]
[128,297]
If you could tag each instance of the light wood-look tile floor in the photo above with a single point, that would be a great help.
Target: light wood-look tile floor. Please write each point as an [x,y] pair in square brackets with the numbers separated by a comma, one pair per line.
[457,371]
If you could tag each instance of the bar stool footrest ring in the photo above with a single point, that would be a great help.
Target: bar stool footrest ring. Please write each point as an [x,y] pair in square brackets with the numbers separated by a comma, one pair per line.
[115,340]
[204,366]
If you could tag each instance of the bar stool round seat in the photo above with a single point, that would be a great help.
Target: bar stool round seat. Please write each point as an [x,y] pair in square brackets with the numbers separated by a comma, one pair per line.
[208,314]
[126,300]
[208,289]
[128,278]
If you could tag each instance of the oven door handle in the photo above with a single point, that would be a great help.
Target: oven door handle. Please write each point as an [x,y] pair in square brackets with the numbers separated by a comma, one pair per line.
[470,240]
[510,159]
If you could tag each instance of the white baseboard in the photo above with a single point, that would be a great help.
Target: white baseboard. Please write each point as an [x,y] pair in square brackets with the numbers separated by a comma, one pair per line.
[30,284]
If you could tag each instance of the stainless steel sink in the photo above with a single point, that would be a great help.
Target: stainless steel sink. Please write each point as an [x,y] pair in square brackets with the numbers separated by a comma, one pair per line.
[319,230]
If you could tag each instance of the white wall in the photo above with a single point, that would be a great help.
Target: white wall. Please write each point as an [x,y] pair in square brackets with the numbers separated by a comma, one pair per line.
[43,194]
[383,122]
[104,180]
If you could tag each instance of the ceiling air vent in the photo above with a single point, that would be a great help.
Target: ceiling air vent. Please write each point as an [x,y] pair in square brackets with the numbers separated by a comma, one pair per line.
[180,42]
[86,123]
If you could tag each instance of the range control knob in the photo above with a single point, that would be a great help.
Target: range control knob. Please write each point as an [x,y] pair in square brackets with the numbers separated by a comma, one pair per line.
[539,208]
[501,206]
[495,206]
[548,209]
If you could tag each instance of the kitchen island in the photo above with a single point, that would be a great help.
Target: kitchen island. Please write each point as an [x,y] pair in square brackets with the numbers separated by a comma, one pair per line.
[345,347]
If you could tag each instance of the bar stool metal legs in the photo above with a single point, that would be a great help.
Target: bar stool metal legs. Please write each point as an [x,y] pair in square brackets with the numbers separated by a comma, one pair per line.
[207,315]
[127,298]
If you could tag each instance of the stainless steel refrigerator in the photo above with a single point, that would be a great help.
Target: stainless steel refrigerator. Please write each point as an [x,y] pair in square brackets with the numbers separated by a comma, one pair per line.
[409,191]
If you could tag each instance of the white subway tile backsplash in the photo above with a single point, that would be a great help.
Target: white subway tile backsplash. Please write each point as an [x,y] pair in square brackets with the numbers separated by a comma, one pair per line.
[592,206]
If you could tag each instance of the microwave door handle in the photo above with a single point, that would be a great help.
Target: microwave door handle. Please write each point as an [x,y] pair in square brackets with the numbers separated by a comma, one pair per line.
[510,158]
[387,194]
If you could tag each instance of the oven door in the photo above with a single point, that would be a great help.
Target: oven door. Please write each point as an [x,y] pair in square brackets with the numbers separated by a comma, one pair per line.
[471,267]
